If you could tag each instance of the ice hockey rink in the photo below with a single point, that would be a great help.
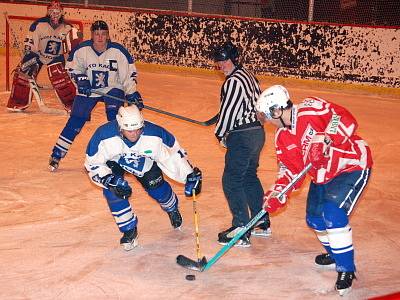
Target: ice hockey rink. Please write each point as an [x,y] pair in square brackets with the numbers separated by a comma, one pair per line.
[59,241]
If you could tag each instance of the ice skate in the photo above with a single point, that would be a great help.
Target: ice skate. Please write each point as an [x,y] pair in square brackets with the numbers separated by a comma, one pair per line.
[226,236]
[53,163]
[344,282]
[175,218]
[325,261]
[130,239]
[262,229]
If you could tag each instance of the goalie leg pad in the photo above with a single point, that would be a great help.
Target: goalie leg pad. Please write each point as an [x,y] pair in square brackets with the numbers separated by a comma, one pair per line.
[62,83]
[21,96]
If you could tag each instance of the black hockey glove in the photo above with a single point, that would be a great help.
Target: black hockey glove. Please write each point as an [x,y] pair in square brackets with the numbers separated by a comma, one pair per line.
[193,182]
[118,185]
[136,99]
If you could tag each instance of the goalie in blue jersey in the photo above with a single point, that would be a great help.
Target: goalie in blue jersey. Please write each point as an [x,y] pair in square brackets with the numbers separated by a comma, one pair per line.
[146,150]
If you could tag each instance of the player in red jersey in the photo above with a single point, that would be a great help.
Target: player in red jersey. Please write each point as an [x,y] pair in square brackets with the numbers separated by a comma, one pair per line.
[324,134]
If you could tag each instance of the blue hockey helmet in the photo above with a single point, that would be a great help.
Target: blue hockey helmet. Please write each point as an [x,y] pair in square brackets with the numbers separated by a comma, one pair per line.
[225,52]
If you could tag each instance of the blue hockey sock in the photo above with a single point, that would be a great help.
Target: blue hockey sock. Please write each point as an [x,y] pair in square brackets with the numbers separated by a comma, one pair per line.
[165,196]
[340,237]
[121,210]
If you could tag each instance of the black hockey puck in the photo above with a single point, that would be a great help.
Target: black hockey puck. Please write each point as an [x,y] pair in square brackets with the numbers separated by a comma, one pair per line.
[191,277]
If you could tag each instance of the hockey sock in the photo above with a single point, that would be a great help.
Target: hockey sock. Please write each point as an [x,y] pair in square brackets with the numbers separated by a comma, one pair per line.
[340,237]
[67,136]
[165,196]
[121,211]
[319,227]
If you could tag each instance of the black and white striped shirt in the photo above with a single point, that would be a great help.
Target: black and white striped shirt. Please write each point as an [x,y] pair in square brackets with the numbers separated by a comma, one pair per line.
[239,95]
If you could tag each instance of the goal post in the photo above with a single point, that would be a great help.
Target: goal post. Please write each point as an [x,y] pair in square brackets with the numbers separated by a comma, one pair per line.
[16,29]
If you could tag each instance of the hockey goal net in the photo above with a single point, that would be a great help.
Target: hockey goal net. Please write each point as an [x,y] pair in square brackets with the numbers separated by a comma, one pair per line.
[17,28]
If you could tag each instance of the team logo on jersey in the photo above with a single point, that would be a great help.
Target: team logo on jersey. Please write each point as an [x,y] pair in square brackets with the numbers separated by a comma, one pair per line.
[99,79]
[132,163]
[52,47]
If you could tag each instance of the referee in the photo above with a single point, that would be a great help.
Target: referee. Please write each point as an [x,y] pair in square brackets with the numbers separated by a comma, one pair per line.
[239,131]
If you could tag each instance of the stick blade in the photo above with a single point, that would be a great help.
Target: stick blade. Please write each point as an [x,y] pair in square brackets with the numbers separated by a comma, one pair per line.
[191,264]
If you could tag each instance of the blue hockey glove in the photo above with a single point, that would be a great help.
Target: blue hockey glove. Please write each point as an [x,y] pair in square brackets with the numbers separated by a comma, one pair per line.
[193,182]
[83,83]
[118,185]
[136,99]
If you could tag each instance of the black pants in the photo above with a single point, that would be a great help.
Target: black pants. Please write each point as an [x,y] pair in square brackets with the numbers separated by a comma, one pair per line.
[240,182]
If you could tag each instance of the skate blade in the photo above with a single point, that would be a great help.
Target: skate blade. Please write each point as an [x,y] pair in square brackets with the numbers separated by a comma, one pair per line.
[237,244]
[344,292]
[331,267]
[130,246]
[261,233]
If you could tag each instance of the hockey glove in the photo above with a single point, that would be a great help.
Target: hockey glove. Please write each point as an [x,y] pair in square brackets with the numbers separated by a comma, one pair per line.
[319,150]
[136,99]
[271,201]
[83,83]
[117,185]
[30,64]
[193,182]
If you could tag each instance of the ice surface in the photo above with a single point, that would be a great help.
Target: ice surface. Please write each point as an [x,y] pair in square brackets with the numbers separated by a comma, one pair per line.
[59,241]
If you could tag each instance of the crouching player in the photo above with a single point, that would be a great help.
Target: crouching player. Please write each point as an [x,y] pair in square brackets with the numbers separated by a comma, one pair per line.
[146,150]
[323,134]
[48,40]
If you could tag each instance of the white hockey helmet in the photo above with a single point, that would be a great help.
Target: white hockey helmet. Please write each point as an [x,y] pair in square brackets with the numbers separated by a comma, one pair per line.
[274,97]
[130,118]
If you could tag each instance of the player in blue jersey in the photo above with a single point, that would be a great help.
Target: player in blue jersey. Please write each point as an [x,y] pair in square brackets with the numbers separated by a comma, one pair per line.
[48,40]
[102,65]
[146,150]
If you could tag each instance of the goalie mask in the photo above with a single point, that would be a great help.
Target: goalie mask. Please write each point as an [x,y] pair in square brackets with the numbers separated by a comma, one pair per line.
[130,118]
[272,101]
[55,12]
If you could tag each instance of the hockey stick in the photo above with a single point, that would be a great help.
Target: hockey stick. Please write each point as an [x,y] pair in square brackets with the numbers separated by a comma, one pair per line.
[203,265]
[196,226]
[209,122]
[42,106]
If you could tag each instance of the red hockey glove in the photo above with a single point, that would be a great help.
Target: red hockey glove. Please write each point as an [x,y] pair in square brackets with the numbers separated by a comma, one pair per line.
[271,201]
[319,150]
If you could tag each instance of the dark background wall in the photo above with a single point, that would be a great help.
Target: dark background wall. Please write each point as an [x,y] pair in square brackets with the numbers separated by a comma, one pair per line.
[338,53]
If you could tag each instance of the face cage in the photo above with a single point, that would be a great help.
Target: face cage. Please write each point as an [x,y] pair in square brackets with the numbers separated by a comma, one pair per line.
[272,112]
[55,15]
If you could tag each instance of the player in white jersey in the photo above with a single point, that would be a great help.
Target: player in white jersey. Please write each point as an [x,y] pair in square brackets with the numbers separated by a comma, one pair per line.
[102,65]
[146,150]
[324,134]
[48,40]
